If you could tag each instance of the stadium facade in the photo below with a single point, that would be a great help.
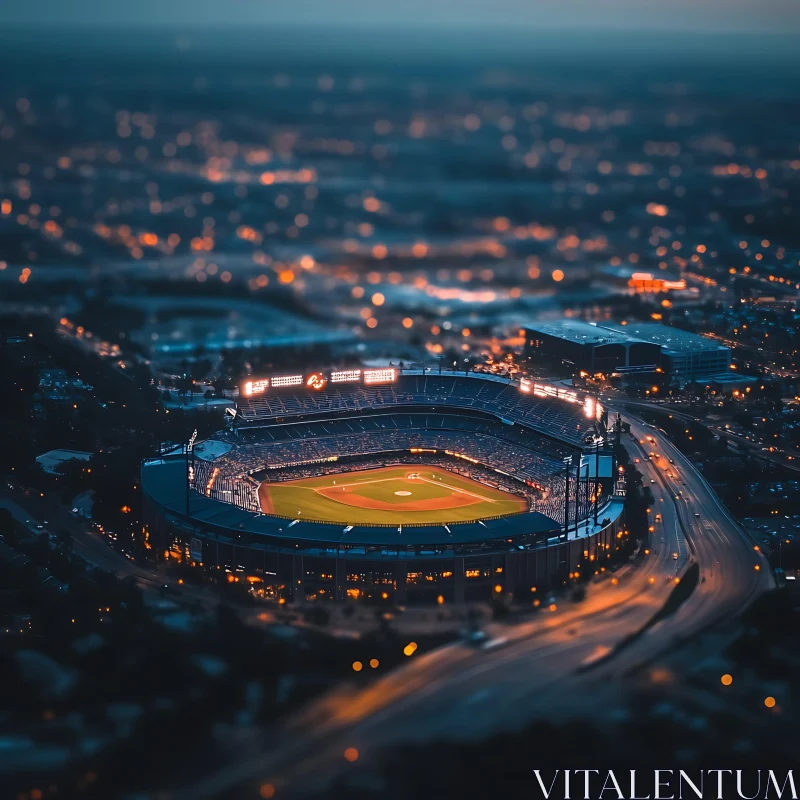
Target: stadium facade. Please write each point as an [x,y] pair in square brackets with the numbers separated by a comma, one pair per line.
[546,444]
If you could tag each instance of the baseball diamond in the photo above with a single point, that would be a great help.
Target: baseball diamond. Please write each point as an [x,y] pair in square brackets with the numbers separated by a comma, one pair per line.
[397,495]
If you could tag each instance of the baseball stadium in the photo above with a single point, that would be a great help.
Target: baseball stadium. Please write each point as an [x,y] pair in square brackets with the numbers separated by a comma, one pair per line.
[409,485]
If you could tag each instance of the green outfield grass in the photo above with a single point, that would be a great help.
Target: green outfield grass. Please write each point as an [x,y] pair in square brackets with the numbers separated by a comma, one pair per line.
[371,496]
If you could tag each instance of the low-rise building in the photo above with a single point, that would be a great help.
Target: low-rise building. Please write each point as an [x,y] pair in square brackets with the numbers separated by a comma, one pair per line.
[596,347]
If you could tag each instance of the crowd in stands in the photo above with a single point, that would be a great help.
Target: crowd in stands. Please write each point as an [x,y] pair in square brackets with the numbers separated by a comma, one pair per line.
[388,421]
[518,461]
[553,417]
[227,485]
[306,449]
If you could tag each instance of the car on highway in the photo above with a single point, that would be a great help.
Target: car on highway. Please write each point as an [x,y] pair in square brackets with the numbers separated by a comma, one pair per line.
[476,638]
[697,515]
[674,556]
[491,644]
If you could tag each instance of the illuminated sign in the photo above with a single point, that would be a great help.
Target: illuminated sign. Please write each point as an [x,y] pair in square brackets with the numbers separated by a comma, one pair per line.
[255,387]
[461,455]
[346,376]
[544,390]
[379,375]
[645,281]
[316,381]
[287,380]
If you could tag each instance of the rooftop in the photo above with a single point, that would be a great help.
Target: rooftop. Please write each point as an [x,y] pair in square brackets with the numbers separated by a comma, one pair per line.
[670,339]
[53,459]
[578,331]
[176,325]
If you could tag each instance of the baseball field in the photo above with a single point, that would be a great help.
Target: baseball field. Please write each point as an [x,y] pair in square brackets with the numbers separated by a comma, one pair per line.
[391,495]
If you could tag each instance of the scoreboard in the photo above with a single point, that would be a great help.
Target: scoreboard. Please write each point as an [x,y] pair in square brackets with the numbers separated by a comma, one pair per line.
[317,381]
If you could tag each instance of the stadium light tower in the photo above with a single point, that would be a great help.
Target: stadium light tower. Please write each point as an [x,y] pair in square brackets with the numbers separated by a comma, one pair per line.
[189,468]
[567,464]
[596,480]
[585,496]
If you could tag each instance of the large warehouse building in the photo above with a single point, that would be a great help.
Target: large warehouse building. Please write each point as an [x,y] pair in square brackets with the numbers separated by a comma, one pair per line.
[684,355]
[635,347]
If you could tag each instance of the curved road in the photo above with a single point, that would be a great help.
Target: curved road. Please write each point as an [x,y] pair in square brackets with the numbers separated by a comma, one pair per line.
[565,659]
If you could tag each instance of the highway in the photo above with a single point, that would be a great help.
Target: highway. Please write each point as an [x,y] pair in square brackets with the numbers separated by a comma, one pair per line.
[787,456]
[732,572]
[565,660]
[90,545]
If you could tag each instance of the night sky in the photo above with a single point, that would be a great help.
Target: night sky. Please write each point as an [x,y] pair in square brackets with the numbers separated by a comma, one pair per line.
[706,16]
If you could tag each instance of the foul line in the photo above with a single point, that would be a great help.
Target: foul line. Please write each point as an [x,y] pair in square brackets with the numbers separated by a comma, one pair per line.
[456,489]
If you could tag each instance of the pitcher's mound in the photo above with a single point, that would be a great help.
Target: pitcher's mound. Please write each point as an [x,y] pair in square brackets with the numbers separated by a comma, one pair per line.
[403,494]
